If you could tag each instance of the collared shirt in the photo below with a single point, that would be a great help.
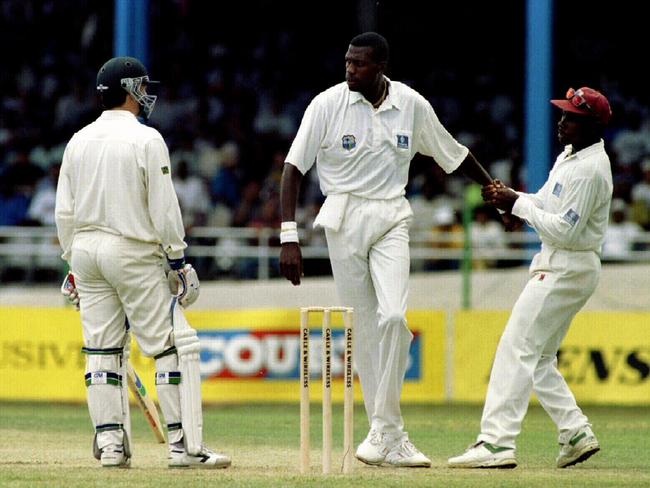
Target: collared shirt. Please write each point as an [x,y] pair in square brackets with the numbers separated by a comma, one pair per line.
[571,210]
[367,152]
[116,177]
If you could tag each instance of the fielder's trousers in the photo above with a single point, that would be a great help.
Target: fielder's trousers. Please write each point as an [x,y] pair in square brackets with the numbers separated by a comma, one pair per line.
[561,283]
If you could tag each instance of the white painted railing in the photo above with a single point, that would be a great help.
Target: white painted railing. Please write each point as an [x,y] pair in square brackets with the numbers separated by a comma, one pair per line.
[224,248]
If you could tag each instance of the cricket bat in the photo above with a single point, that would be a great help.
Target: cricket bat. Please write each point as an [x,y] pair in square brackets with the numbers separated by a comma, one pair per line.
[145,402]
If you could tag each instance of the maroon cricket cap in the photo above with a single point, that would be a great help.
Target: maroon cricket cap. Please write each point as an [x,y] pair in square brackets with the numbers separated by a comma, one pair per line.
[586,101]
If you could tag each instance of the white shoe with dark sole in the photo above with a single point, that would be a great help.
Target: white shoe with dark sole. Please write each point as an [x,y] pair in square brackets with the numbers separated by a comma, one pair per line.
[485,455]
[206,459]
[582,445]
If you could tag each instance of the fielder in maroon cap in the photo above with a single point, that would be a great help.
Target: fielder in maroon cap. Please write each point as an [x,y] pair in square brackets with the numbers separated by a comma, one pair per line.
[586,101]
[570,213]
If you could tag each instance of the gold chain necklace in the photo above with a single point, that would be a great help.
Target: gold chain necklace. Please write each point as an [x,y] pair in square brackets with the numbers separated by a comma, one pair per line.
[383,96]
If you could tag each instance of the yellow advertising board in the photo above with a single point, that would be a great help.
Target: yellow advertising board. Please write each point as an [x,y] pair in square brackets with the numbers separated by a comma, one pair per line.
[605,357]
[246,356]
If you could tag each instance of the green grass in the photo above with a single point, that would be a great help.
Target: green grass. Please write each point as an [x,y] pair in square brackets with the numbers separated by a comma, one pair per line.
[49,445]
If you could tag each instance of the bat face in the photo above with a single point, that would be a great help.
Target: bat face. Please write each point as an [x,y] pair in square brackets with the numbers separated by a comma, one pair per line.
[145,403]
[139,386]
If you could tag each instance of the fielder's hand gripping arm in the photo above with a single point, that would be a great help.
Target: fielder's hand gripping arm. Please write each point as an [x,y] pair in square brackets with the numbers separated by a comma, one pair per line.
[511,222]
[471,168]
[290,255]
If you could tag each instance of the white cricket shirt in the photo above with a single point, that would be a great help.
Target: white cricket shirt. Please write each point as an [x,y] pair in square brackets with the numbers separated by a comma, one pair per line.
[116,177]
[367,152]
[571,210]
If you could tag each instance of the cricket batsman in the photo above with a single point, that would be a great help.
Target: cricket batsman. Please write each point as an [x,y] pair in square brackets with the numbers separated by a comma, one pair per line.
[119,222]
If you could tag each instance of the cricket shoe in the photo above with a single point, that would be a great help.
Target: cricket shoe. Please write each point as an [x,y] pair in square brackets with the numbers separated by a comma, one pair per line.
[206,459]
[113,456]
[582,445]
[485,455]
[406,455]
[374,449]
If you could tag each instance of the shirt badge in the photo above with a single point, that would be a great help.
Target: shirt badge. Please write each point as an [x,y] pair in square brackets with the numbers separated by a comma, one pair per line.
[402,141]
[571,217]
[557,189]
[348,142]
[165,170]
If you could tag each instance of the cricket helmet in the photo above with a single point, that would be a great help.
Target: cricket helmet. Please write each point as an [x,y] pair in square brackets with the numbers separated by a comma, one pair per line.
[125,74]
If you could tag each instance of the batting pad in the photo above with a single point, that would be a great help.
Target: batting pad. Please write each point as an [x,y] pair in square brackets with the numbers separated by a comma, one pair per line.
[126,407]
[168,379]
[188,349]
[106,401]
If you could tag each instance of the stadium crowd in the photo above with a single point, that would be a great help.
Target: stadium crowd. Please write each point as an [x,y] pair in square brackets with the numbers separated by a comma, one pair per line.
[229,105]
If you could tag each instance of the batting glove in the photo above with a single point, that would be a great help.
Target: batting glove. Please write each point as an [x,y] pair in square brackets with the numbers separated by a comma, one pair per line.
[69,290]
[184,284]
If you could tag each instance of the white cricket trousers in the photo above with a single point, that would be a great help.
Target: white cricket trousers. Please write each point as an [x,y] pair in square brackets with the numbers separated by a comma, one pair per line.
[561,283]
[118,278]
[370,262]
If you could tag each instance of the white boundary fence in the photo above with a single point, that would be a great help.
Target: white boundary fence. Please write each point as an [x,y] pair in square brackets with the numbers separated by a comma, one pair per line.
[32,248]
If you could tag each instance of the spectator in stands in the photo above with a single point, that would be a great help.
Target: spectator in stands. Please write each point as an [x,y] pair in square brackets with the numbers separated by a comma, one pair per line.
[73,107]
[225,187]
[250,199]
[622,235]
[192,196]
[488,238]
[41,208]
[17,184]
[431,207]
[202,103]
[447,234]
[13,205]
[641,196]
[272,119]
[22,174]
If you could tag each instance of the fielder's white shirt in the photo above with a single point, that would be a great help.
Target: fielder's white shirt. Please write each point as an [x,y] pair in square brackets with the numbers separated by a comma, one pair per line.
[571,210]
[367,152]
[116,177]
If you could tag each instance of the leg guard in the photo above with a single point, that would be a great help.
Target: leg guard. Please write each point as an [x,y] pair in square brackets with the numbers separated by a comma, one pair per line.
[106,398]
[168,378]
[125,395]
[188,349]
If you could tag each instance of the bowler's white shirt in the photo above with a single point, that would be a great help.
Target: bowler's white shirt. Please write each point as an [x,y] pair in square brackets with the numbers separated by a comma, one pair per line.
[571,210]
[116,177]
[367,152]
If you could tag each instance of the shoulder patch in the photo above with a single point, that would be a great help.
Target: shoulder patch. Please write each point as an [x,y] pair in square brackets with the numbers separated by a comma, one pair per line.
[571,217]
[165,170]
[557,189]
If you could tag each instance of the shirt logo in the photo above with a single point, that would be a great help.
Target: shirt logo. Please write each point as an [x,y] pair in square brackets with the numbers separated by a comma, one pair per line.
[402,141]
[165,170]
[348,142]
[571,217]
[557,189]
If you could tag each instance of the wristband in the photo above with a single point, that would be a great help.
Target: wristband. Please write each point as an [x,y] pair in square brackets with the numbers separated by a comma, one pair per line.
[290,225]
[176,264]
[289,232]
